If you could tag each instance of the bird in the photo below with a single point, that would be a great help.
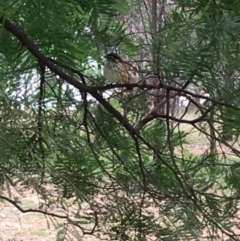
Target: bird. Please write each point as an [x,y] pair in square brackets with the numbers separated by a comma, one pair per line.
[115,70]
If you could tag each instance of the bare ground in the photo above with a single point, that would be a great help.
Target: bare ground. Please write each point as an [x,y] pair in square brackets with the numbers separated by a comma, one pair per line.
[18,226]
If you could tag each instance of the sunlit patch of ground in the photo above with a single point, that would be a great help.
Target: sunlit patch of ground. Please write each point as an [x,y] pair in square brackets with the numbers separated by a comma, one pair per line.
[18,226]
[199,143]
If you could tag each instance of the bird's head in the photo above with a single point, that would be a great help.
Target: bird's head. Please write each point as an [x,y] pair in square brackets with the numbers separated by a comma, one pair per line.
[113,57]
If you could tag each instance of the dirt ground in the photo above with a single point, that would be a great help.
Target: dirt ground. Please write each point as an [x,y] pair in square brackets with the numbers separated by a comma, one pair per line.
[18,226]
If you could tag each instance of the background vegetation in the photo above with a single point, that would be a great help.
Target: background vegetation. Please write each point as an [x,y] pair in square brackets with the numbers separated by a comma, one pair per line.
[159,164]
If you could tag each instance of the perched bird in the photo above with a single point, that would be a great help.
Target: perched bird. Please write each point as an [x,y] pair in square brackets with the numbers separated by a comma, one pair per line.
[115,70]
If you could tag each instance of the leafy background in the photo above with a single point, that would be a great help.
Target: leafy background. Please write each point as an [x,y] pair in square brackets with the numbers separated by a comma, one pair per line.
[135,167]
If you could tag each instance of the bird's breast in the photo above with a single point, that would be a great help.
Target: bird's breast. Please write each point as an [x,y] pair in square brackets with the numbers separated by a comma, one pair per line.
[111,75]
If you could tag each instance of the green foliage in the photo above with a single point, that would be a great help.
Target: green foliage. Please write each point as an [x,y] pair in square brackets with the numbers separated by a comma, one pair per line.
[77,153]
